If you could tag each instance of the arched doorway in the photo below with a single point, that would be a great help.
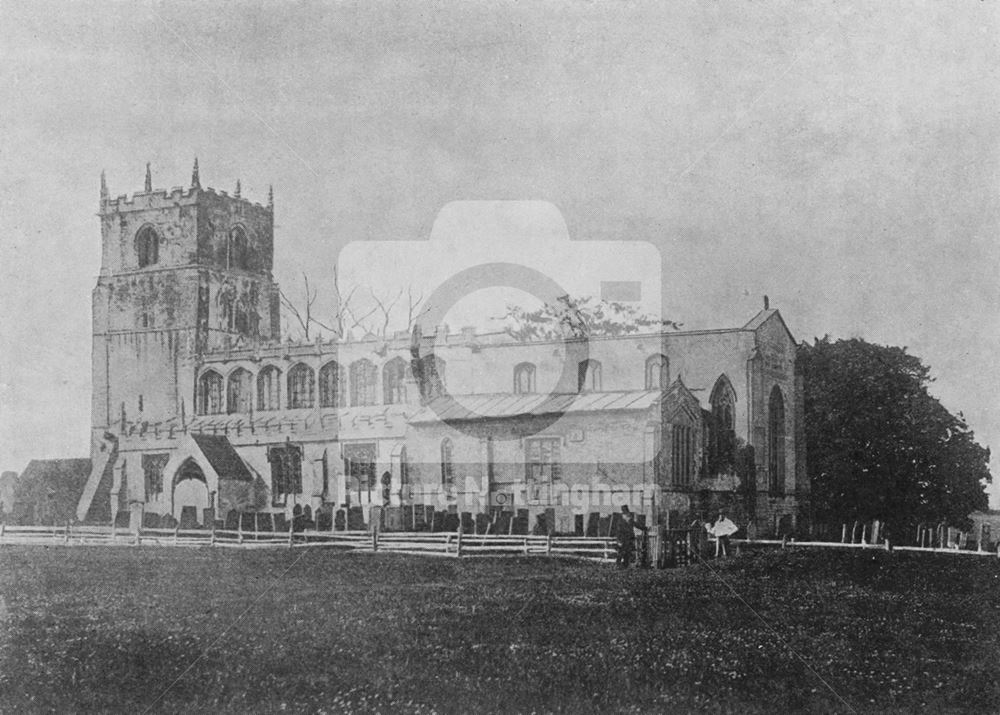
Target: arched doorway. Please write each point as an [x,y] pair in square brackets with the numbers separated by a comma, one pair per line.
[191,497]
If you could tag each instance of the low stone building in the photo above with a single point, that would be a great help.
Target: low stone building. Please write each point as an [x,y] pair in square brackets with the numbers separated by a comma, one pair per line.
[198,409]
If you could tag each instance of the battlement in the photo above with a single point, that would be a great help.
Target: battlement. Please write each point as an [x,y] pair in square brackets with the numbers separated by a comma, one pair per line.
[151,198]
[177,196]
[398,341]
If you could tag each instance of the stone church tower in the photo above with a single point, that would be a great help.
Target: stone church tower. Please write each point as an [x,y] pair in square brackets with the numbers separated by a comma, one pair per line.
[182,272]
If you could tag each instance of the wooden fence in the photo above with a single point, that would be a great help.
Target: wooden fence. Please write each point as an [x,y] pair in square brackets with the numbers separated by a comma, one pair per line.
[455,544]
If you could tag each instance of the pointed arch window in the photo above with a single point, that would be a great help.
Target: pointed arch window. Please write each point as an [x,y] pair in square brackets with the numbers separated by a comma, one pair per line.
[364,382]
[269,389]
[239,249]
[657,372]
[776,441]
[332,392]
[589,376]
[432,376]
[394,375]
[210,393]
[301,387]
[722,428]
[239,391]
[147,246]
[524,378]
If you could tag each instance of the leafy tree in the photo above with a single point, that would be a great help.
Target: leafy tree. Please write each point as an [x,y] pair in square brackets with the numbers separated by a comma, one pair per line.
[879,446]
[579,318]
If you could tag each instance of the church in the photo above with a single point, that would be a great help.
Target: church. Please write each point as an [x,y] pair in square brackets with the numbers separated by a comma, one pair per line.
[200,410]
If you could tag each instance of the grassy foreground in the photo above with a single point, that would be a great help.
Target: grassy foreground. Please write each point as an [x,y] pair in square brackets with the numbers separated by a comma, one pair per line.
[159,629]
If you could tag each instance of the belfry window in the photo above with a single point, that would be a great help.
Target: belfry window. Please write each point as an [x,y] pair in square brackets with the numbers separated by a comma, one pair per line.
[394,381]
[431,376]
[239,249]
[331,387]
[364,381]
[210,393]
[147,246]
[239,392]
[269,388]
[301,387]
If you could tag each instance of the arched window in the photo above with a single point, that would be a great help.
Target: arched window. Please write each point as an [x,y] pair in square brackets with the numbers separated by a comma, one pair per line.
[524,378]
[269,389]
[364,381]
[239,249]
[657,372]
[239,391]
[394,381]
[447,463]
[776,441]
[331,387]
[722,427]
[683,454]
[210,393]
[301,387]
[589,376]
[147,246]
[431,376]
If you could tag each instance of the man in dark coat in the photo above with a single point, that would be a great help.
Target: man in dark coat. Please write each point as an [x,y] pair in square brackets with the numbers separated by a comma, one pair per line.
[626,537]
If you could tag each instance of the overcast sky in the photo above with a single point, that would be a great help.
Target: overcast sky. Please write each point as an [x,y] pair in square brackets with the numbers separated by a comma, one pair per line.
[843,160]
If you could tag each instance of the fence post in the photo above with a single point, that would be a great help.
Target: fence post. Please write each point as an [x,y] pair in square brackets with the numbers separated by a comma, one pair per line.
[291,531]
[138,535]
[177,532]
[375,539]
[458,541]
[854,532]
[3,526]
[548,544]
[979,547]
[239,528]
[525,545]
[211,539]
[66,537]
[864,534]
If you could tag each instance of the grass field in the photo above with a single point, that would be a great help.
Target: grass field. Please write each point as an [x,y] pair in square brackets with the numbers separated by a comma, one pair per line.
[160,629]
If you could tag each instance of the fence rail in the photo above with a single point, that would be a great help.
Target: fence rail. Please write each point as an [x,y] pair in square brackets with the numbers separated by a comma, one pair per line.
[455,544]
[884,546]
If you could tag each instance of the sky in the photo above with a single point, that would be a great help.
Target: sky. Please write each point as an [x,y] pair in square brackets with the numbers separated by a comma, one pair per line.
[840,158]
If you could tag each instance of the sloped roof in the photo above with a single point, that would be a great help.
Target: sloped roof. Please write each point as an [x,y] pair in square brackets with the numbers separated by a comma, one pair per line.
[765,315]
[493,406]
[224,460]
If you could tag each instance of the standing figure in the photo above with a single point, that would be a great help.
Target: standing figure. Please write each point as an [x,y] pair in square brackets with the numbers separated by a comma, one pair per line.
[626,537]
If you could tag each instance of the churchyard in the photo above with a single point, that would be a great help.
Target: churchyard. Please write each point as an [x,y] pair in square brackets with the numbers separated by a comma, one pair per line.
[137,629]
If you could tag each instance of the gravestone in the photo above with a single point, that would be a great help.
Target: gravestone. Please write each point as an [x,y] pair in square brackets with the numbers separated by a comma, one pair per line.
[280,523]
[502,522]
[482,523]
[189,517]
[420,518]
[393,518]
[468,524]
